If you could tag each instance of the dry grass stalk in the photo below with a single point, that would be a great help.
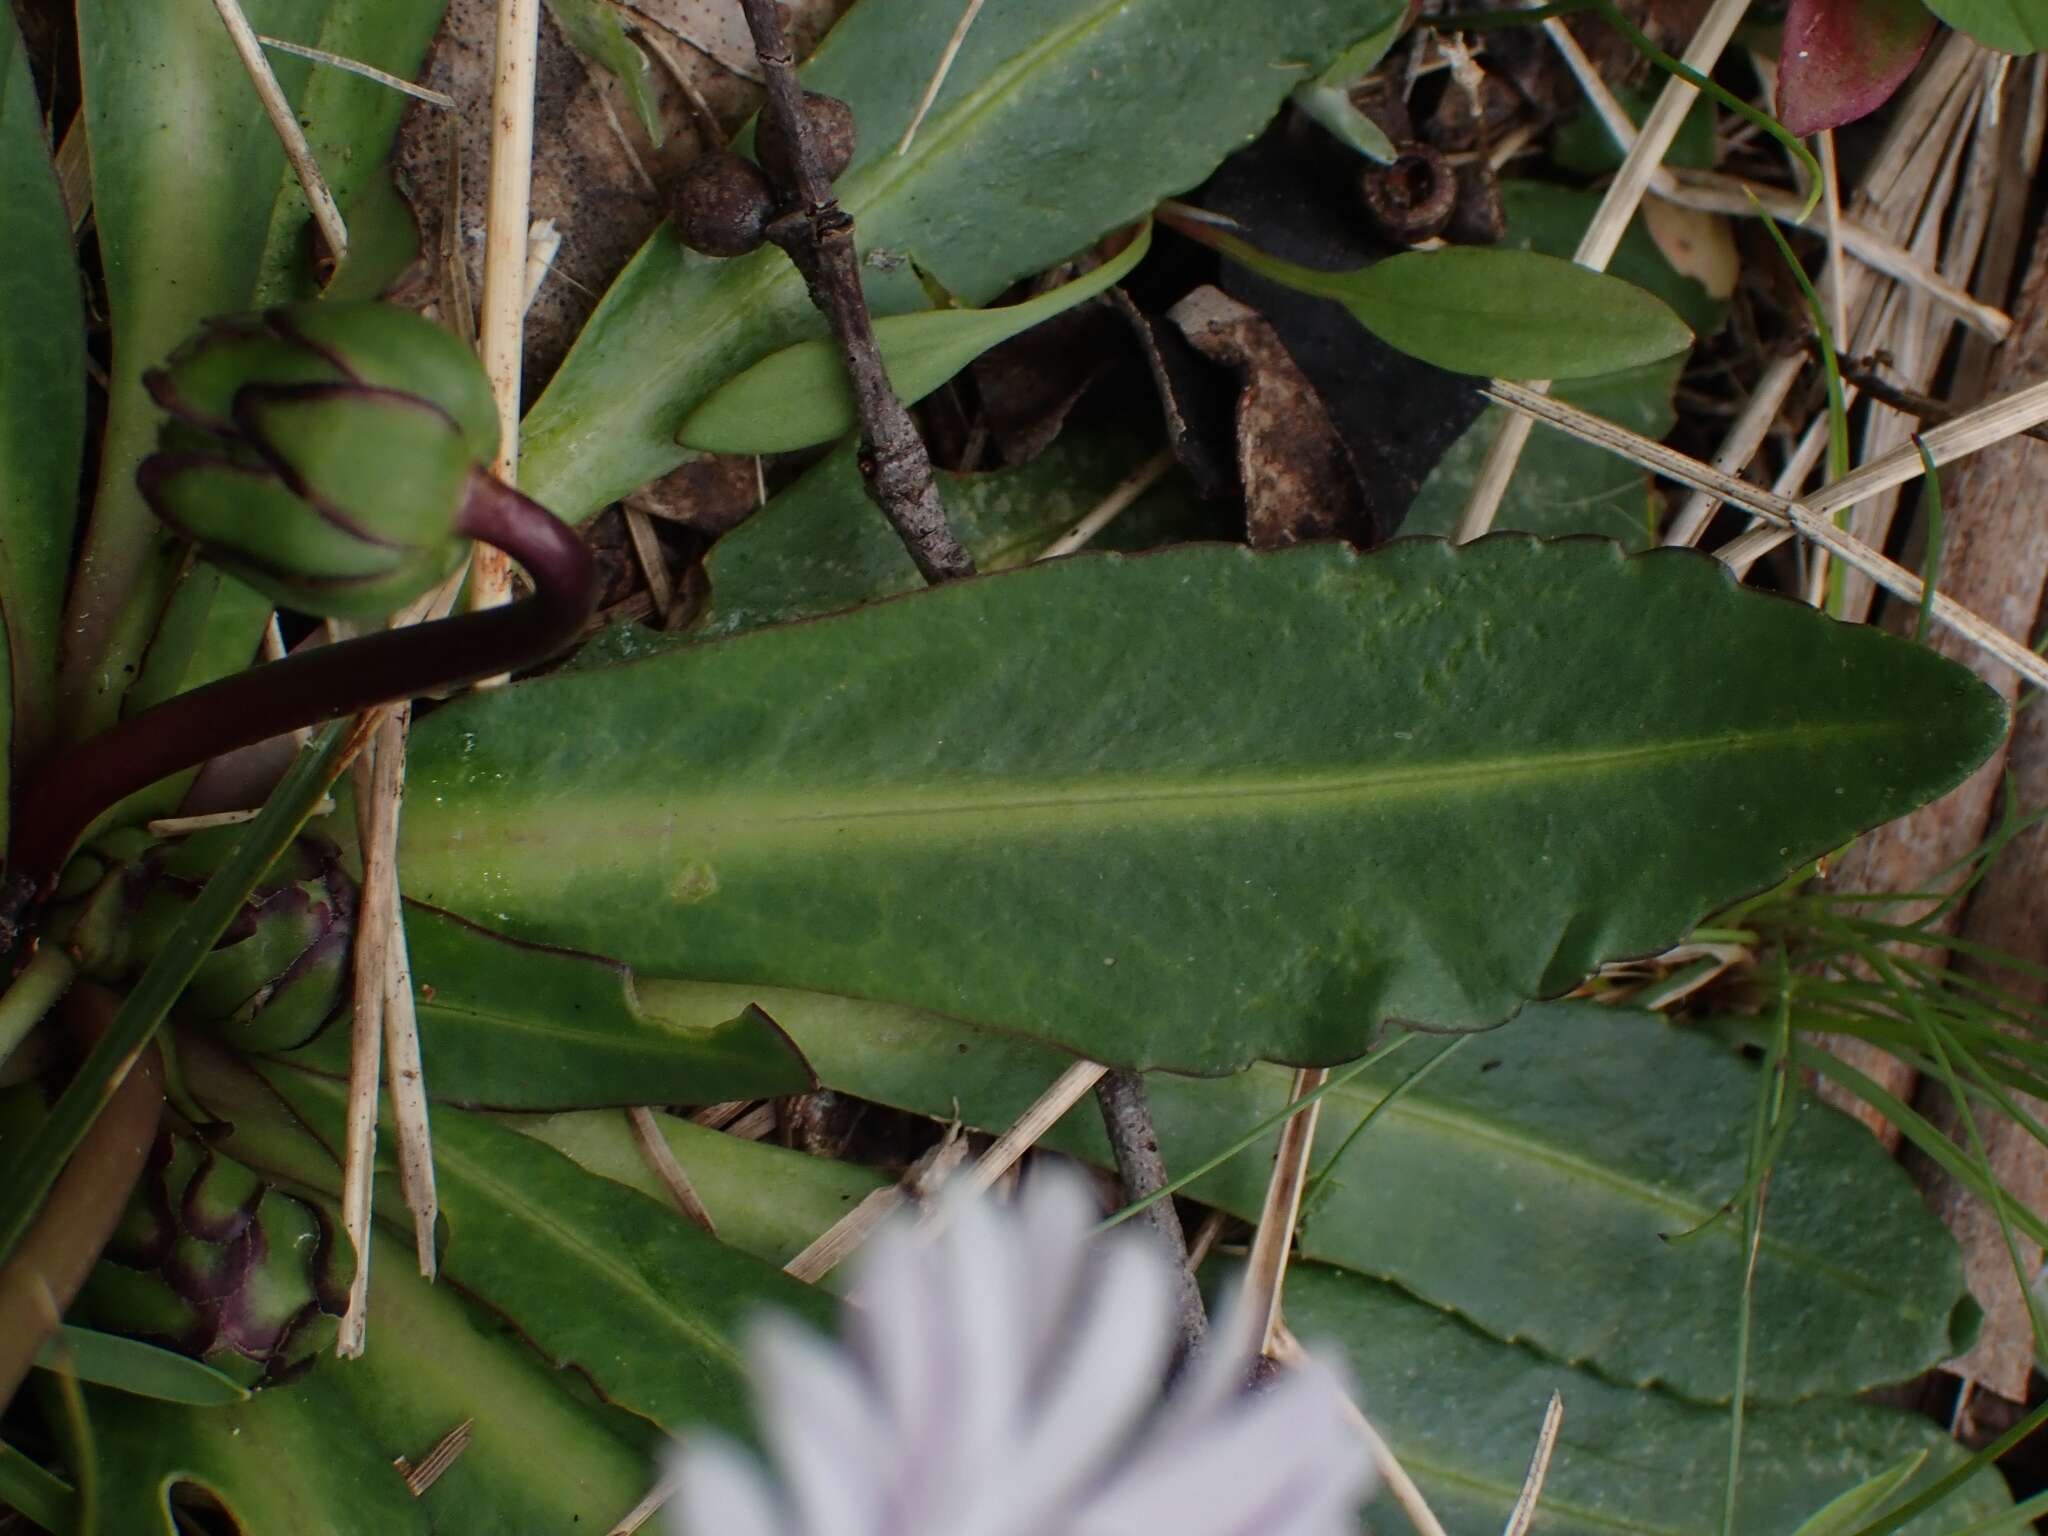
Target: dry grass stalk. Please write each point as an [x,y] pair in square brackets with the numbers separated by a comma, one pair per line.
[831,1247]
[755,1123]
[653,563]
[1809,519]
[184,826]
[1257,1317]
[501,329]
[938,79]
[375,918]
[407,1072]
[1641,166]
[661,1159]
[647,1508]
[356,67]
[1112,506]
[422,1475]
[300,153]
[1067,1090]
[1714,192]
[1892,195]
[73,162]
[1287,1351]
[1524,1511]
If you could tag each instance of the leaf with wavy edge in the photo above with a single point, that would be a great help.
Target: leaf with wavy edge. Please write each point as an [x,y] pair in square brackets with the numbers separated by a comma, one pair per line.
[1527,1184]
[1199,807]
[513,1026]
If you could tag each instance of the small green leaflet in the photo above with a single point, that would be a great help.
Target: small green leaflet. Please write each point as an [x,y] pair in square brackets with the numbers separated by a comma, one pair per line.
[1327,98]
[800,396]
[1497,313]
[2010,26]
[109,1360]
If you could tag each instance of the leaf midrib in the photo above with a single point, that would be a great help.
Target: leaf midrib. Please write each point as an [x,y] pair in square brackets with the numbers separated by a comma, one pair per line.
[1472,1127]
[800,814]
[595,1256]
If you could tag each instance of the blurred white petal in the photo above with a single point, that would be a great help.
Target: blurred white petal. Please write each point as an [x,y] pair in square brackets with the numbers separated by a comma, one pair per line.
[1003,1379]
[722,1490]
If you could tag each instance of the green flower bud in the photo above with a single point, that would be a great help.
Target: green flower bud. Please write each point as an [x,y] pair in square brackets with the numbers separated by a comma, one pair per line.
[212,1260]
[323,453]
[273,980]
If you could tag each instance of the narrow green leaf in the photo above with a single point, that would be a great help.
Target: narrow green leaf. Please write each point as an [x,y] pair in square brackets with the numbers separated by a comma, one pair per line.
[512,1026]
[1233,841]
[598,32]
[42,411]
[800,396]
[1564,486]
[30,1491]
[1327,98]
[1060,121]
[2010,26]
[38,1160]
[1474,309]
[1460,1411]
[597,1276]
[1841,1514]
[109,1360]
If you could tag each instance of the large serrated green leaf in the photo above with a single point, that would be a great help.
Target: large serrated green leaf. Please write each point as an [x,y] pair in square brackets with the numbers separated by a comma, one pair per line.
[1059,121]
[511,1026]
[316,1454]
[1531,1183]
[597,1276]
[1461,1412]
[1198,807]
[42,409]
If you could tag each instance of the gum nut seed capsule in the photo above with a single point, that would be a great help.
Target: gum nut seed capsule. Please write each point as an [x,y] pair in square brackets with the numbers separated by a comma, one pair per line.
[722,205]
[832,132]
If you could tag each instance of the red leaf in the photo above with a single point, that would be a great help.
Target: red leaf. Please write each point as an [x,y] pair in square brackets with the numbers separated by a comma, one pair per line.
[1844,58]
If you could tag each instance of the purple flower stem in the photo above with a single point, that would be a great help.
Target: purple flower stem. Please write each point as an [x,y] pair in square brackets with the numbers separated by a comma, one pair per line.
[78,786]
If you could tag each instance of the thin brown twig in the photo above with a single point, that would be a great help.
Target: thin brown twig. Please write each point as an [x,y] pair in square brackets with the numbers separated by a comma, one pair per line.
[1128,1119]
[817,234]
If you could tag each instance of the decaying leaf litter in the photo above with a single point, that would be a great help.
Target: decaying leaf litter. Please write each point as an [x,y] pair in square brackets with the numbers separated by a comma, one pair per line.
[1278,428]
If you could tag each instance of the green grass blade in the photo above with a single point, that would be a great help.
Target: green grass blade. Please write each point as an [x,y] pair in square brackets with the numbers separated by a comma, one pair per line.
[110,1360]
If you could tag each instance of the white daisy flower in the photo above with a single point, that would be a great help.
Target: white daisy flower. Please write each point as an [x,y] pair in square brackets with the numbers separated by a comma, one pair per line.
[1003,1379]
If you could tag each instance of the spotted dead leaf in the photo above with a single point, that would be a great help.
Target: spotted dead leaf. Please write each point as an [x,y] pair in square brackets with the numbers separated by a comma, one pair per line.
[1299,480]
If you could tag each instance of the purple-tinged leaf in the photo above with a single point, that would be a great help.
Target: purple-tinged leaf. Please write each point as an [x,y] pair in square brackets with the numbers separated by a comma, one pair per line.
[1843,58]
